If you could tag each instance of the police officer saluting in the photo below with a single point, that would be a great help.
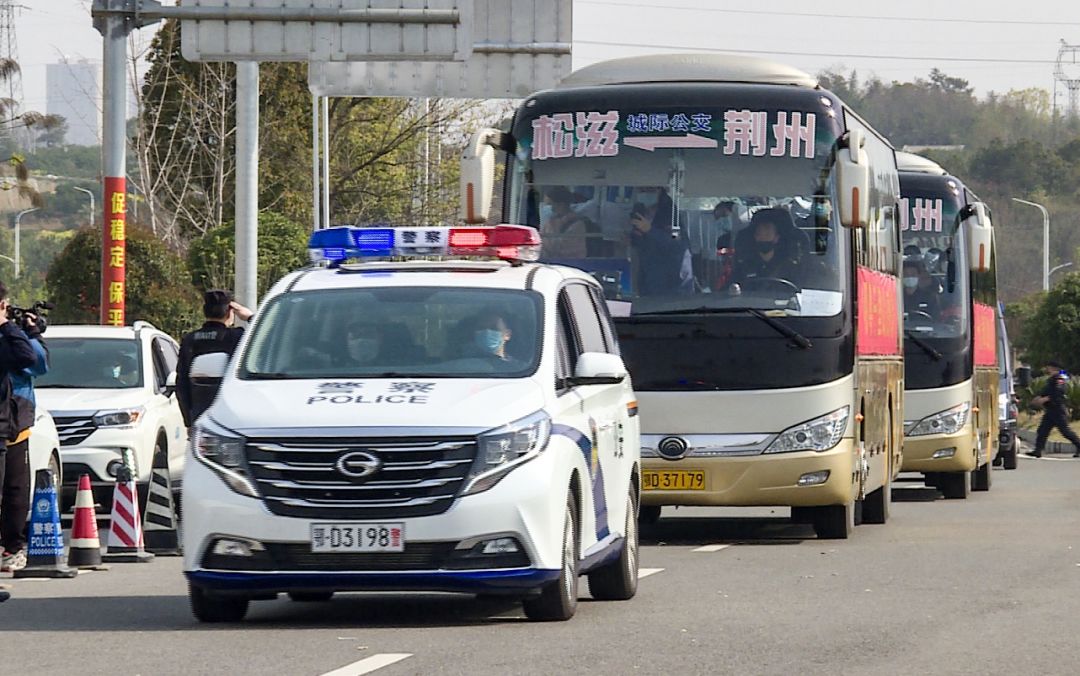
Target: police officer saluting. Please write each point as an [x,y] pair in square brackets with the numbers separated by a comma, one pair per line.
[217,334]
[1052,399]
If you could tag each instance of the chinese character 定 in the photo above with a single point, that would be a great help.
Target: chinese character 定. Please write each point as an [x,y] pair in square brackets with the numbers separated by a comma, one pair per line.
[116,257]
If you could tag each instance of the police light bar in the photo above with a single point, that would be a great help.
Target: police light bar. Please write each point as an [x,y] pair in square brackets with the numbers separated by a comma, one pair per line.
[333,246]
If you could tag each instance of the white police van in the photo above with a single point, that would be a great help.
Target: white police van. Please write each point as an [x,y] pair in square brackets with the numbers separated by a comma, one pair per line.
[446,415]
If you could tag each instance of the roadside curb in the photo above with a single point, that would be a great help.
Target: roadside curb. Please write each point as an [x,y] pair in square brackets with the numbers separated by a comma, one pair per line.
[1052,447]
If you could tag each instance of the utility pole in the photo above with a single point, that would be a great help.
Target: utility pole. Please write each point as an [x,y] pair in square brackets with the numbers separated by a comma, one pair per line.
[247,182]
[90,194]
[18,252]
[1046,240]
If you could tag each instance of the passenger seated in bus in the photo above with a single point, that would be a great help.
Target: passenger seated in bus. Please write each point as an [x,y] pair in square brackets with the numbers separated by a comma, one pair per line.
[564,231]
[921,292]
[704,243]
[664,265]
[761,251]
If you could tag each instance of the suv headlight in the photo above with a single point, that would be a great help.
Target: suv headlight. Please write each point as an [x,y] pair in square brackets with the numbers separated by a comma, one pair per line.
[124,417]
[223,453]
[819,434]
[504,448]
[949,421]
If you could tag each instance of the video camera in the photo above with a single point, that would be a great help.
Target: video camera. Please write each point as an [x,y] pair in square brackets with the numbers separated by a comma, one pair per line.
[20,316]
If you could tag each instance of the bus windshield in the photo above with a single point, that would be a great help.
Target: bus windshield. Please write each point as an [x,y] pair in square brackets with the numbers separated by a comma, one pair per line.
[687,200]
[936,289]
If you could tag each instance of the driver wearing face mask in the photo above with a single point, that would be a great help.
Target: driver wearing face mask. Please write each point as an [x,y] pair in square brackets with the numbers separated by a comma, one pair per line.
[921,292]
[770,256]
[125,371]
[363,342]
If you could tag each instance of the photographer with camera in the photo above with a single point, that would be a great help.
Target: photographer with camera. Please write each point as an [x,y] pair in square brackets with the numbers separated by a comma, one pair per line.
[22,356]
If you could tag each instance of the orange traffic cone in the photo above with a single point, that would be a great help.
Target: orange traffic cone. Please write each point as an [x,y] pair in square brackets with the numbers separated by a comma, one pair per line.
[85,548]
[125,527]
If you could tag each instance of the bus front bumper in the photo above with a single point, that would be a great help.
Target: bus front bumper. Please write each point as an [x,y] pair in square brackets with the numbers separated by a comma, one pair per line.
[760,480]
[954,452]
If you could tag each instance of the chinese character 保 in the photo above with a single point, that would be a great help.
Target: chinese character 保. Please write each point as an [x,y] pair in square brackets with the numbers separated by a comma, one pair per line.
[116,292]
[118,203]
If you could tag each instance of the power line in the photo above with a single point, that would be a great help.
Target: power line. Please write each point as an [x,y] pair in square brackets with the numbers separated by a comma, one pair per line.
[888,57]
[821,15]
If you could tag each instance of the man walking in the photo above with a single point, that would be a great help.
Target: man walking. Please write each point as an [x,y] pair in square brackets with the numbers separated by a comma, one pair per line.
[217,334]
[1056,413]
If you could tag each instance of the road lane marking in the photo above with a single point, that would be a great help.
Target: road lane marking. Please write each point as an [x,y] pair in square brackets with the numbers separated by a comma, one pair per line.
[710,548]
[369,664]
[646,572]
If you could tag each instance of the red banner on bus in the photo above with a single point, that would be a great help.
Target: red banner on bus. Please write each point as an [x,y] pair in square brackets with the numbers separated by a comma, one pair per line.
[114,252]
[879,315]
[985,335]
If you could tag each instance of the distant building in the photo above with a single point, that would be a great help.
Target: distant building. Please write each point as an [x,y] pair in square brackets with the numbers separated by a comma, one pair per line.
[73,90]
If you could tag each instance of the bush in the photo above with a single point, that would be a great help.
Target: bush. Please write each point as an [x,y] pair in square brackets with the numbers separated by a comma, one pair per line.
[158,289]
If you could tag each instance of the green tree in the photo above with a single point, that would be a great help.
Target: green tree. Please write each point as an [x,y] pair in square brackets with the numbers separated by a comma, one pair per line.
[158,282]
[282,249]
[1053,332]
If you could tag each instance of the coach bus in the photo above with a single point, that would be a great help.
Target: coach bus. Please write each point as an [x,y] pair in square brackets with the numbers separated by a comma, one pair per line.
[950,346]
[744,224]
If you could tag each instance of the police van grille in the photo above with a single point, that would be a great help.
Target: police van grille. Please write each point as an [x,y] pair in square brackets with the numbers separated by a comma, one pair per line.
[72,431]
[418,476]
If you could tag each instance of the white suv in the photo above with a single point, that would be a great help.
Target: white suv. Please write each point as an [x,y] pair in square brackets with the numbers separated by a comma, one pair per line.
[110,391]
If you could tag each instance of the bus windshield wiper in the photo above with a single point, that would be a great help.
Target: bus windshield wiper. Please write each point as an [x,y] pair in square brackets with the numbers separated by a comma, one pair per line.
[926,347]
[799,339]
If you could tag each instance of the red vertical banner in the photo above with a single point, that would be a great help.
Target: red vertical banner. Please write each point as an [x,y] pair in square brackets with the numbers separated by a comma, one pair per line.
[114,252]
[879,319]
[985,335]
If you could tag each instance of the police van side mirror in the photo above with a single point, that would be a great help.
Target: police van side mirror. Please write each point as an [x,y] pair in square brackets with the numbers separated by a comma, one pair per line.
[853,181]
[478,175]
[980,233]
[1023,376]
[209,368]
[599,368]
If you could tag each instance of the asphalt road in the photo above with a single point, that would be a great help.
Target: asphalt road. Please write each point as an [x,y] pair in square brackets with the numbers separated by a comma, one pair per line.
[990,585]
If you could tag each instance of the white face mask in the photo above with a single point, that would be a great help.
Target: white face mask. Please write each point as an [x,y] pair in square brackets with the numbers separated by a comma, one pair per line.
[362,349]
[911,282]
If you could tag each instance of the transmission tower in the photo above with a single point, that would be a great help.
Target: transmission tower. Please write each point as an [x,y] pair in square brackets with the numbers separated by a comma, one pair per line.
[1067,58]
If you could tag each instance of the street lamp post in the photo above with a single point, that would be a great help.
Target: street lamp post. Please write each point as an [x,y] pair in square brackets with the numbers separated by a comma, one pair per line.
[91,195]
[1059,267]
[18,217]
[1046,240]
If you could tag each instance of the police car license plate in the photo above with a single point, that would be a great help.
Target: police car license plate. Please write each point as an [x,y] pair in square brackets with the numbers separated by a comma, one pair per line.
[673,480]
[357,537]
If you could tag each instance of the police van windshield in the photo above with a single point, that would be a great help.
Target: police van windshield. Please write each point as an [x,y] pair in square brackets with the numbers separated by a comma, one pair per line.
[697,205]
[935,269]
[396,331]
[92,363]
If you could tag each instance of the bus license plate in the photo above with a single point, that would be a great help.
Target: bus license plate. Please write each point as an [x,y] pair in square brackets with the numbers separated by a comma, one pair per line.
[357,537]
[673,480]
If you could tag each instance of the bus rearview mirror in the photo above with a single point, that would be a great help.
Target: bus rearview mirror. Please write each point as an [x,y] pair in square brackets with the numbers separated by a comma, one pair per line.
[980,233]
[853,181]
[478,176]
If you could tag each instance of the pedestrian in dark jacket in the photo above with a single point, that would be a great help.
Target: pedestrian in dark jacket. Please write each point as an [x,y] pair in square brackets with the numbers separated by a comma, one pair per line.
[217,334]
[20,358]
[1056,411]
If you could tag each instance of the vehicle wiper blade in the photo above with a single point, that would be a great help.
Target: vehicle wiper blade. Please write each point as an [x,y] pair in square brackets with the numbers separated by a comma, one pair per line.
[703,310]
[926,347]
[272,376]
[799,339]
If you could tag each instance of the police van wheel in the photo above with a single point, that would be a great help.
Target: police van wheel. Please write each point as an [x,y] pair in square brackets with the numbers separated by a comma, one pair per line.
[982,477]
[833,522]
[617,581]
[1008,458]
[649,515]
[311,596]
[558,600]
[209,607]
[954,485]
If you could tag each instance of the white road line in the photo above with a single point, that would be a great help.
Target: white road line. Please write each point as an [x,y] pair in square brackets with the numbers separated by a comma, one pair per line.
[646,572]
[369,664]
[710,548]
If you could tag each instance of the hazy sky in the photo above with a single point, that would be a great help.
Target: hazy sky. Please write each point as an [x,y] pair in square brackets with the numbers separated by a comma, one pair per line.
[1014,46]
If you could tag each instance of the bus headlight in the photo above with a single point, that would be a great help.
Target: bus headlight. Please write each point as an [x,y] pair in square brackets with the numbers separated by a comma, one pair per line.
[819,434]
[502,449]
[949,421]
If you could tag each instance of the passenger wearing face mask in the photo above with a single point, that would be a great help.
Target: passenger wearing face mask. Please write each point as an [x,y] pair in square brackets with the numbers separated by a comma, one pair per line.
[764,252]
[663,260]
[921,291]
[490,336]
[563,230]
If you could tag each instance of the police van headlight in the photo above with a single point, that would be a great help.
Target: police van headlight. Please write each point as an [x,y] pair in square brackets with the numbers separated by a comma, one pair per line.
[819,434]
[223,453]
[949,421]
[504,448]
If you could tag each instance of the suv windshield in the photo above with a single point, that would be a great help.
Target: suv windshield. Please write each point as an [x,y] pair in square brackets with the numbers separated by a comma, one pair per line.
[426,332]
[93,363]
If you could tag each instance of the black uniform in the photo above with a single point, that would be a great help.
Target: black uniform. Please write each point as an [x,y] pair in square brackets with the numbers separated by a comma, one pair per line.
[210,338]
[1056,413]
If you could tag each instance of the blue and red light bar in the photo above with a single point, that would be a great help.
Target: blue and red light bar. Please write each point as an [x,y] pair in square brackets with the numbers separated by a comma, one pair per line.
[503,242]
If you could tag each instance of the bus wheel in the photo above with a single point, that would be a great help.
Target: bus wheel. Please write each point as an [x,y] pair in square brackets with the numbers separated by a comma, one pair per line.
[954,485]
[875,507]
[833,522]
[981,478]
[649,515]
